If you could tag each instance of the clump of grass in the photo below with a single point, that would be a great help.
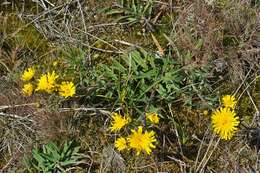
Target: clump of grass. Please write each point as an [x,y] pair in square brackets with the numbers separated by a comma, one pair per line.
[53,159]
[133,12]
[139,77]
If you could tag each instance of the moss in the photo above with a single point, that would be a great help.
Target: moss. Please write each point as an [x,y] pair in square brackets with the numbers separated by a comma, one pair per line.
[22,43]
[256,92]
[245,109]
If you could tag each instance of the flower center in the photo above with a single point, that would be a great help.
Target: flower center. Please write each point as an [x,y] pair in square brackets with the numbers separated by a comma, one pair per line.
[224,122]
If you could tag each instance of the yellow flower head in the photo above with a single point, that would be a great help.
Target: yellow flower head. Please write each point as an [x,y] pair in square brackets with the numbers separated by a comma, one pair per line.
[28,89]
[205,112]
[28,74]
[118,122]
[229,101]
[140,141]
[67,89]
[47,82]
[224,123]
[153,117]
[121,144]
[55,63]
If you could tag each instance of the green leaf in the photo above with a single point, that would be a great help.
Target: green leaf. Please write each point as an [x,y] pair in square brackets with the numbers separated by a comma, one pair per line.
[151,74]
[68,162]
[133,6]
[148,7]
[65,149]
[132,20]
[138,59]
[114,11]
[119,67]
[37,156]
[110,73]
[53,151]
[119,19]
[28,164]
[199,44]
[75,150]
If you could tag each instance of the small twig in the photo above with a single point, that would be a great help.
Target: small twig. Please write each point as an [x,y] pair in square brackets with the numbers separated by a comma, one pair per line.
[159,47]
[158,2]
[243,81]
[252,101]
[90,166]
[181,163]
[145,166]
[204,159]
[15,106]
[7,68]
[40,3]
[34,20]
[91,35]
[107,24]
[11,115]
[104,50]
[176,131]
[127,43]
[49,3]
[6,165]
[83,18]
[200,148]
[247,87]
[256,109]
[91,47]
[82,109]
[205,163]
[101,110]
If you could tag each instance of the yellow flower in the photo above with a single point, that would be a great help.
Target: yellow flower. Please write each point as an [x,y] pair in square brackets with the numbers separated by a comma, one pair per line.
[67,89]
[118,122]
[28,89]
[224,123]
[55,63]
[141,141]
[153,117]
[121,144]
[47,82]
[229,101]
[28,74]
[205,112]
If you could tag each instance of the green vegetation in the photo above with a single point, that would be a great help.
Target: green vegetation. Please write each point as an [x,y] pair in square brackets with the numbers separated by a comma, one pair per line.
[133,12]
[52,159]
[140,78]
[129,86]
